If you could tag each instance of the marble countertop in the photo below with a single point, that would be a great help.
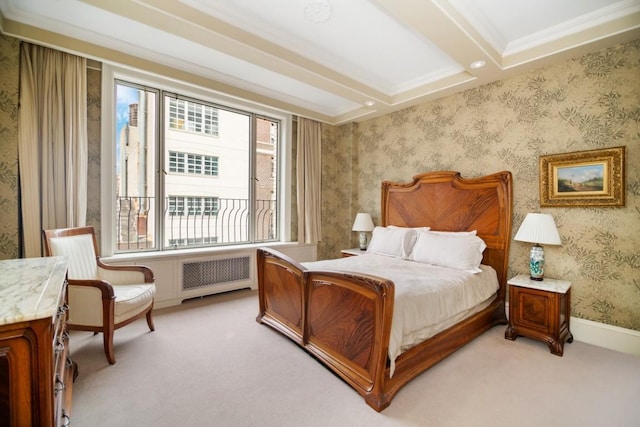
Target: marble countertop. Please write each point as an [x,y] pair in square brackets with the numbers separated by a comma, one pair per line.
[30,288]
[550,285]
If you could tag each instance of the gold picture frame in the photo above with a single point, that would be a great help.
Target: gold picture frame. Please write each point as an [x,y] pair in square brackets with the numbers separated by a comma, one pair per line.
[583,178]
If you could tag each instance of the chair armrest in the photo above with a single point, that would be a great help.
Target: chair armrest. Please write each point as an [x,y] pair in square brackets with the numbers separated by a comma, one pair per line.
[125,274]
[105,287]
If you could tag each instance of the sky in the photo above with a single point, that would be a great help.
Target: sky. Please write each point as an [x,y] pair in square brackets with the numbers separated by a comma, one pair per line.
[125,95]
[581,173]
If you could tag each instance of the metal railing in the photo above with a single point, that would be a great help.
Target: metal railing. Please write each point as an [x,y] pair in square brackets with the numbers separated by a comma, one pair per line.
[226,223]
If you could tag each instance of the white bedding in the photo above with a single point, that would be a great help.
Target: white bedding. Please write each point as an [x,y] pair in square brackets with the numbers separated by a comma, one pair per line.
[428,298]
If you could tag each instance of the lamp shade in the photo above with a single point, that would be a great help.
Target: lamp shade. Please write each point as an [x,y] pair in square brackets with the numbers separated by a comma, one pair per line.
[538,228]
[363,222]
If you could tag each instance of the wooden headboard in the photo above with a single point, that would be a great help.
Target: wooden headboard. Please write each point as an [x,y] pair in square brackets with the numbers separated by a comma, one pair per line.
[446,201]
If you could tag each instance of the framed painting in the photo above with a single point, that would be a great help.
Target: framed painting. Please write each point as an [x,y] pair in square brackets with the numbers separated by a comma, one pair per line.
[583,178]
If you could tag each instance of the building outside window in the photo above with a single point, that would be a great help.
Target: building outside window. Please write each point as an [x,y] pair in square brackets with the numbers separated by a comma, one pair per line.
[193,117]
[192,173]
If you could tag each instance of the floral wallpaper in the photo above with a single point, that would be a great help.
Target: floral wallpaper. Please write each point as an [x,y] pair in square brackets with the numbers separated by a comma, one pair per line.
[586,103]
[9,66]
[94,123]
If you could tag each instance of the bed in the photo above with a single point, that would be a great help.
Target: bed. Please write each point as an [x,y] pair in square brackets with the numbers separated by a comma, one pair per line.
[344,318]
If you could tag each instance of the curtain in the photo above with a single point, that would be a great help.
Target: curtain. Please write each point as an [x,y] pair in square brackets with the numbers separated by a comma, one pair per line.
[52,143]
[309,180]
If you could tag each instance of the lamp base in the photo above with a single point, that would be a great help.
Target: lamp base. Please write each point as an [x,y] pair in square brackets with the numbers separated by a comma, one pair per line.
[363,241]
[536,263]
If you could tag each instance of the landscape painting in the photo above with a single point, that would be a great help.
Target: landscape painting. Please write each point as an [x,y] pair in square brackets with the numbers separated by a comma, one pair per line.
[583,178]
[574,179]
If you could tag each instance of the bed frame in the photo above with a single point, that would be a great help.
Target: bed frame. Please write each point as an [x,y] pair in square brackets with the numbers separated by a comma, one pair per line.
[344,319]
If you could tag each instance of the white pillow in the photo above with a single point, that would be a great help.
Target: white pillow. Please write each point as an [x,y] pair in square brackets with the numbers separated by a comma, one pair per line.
[392,241]
[456,233]
[412,228]
[461,252]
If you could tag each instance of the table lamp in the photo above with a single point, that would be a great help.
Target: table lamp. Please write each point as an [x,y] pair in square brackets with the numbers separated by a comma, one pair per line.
[363,224]
[538,228]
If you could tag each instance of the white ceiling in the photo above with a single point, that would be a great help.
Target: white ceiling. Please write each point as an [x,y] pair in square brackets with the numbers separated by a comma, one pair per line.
[333,60]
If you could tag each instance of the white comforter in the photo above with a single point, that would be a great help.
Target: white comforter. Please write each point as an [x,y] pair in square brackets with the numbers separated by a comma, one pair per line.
[428,298]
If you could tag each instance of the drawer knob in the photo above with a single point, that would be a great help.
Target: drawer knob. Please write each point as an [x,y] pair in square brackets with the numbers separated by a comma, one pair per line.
[59,385]
[62,309]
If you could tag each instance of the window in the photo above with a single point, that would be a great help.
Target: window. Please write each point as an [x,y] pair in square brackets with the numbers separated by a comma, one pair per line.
[193,117]
[191,172]
[210,165]
[211,205]
[176,205]
[176,162]
[194,164]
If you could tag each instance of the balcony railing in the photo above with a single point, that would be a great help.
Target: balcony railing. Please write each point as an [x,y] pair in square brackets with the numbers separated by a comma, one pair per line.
[225,223]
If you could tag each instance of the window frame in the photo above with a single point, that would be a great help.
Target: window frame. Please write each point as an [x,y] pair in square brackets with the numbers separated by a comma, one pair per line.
[111,73]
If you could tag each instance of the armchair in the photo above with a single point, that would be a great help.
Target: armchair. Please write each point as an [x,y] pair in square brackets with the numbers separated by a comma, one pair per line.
[101,297]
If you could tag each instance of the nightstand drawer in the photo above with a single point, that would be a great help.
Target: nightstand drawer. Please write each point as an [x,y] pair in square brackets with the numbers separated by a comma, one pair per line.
[533,308]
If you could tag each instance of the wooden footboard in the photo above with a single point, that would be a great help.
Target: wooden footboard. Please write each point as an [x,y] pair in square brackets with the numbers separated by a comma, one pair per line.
[281,293]
[348,323]
[342,319]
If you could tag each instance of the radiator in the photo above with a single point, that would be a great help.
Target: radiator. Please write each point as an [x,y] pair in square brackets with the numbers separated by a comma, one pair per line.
[213,272]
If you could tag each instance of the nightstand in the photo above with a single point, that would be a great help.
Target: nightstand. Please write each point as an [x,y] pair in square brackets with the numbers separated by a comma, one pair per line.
[352,252]
[540,310]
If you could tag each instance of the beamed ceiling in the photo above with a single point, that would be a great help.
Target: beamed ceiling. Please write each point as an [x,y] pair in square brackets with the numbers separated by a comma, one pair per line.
[335,61]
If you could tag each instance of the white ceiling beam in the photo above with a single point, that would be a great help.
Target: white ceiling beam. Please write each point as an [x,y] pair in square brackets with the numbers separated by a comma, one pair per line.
[103,54]
[194,25]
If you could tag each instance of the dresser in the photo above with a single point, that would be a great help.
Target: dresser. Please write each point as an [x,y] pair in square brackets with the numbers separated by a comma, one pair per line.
[36,371]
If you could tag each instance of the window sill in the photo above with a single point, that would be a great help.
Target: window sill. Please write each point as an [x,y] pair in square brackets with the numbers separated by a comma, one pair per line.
[195,252]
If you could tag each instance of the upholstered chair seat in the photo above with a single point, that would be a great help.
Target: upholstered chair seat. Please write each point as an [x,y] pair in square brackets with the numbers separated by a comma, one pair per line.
[101,297]
[132,300]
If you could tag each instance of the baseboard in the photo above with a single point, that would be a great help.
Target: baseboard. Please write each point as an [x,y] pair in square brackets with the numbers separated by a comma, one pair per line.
[608,336]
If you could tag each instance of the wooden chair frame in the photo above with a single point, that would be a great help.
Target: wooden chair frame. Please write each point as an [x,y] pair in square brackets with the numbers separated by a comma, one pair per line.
[108,296]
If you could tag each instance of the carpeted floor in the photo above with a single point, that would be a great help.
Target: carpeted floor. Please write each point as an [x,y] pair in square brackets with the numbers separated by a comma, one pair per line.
[210,364]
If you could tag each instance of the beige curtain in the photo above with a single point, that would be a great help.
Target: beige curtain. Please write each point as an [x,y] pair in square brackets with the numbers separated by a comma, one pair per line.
[52,143]
[309,180]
